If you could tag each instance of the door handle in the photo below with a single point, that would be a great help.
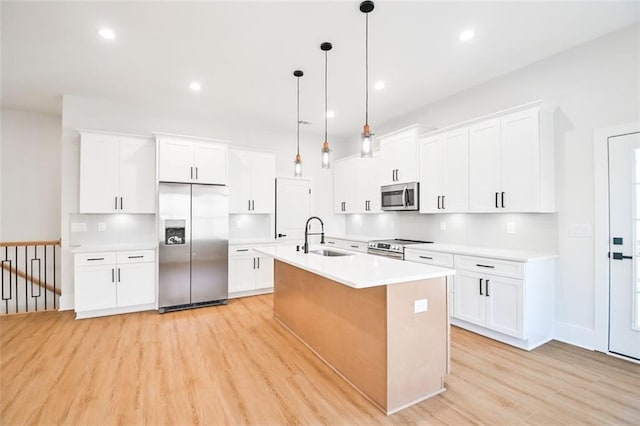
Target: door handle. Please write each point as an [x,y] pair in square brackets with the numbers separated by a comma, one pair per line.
[496,200]
[486,287]
[196,172]
[121,205]
[112,276]
[443,207]
[620,256]
[118,274]
[115,199]
[254,263]
[191,172]
[258,262]
[282,235]
[502,199]
[439,202]
[253,205]
[480,286]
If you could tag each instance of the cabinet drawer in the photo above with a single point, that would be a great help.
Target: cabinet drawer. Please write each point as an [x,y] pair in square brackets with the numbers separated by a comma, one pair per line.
[504,268]
[241,251]
[136,256]
[354,246]
[92,259]
[429,257]
[332,242]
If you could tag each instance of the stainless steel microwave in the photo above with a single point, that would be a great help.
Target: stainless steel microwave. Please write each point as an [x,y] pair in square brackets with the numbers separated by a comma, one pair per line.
[401,196]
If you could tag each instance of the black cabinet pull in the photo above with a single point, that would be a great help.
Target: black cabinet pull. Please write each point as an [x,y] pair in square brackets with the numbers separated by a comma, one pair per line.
[191,172]
[96,258]
[258,263]
[425,257]
[253,205]
[485,266]
[443,207]
[254,263]
[486,287]
[196,172]
[115,199]
[112,275]
[502,199]
[481,287]
[352,246]
[237,250]
[135,257]
[331,242]
[496,200]
[438,202]
[118,274]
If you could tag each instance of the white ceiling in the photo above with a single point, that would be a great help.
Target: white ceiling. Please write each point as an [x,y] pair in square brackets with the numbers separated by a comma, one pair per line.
[244,53]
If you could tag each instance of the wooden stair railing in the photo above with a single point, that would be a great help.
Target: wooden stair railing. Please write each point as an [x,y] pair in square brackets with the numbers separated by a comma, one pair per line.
[24,253]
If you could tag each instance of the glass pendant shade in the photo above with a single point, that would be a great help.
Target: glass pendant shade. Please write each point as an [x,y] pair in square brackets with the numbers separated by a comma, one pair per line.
[366,143]
[326,155]
[297,166]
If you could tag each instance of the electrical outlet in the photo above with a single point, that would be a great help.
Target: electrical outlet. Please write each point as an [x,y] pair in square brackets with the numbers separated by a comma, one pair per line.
[102,226]
[443,225]
[421,305]
[511,228]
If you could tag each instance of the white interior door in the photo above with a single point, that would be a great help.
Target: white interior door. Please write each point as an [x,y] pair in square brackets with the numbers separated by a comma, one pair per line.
[624,235]
[293,208]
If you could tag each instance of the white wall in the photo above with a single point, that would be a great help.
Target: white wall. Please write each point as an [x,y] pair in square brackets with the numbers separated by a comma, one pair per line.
[29,176]
[79,112]
[594,85]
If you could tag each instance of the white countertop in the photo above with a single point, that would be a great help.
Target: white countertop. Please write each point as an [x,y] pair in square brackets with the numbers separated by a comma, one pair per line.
[504,254]
[251,241]
[91,248]
[359,238]
[359,270]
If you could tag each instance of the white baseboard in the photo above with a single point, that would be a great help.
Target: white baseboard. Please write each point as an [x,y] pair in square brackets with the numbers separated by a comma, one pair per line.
[575,335]
[65,303]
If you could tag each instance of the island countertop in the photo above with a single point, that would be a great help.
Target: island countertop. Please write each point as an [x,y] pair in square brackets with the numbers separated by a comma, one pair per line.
[357,270]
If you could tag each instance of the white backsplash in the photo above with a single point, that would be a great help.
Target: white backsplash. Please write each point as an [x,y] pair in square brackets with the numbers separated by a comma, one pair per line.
[530,231]
[118,229]
[250,227]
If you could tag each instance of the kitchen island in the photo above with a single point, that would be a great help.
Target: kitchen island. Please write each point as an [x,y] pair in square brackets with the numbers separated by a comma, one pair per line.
[382,324]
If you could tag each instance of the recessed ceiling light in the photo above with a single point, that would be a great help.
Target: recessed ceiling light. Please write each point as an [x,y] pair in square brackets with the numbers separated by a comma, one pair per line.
[107,33]
[379,85]
[195,86]
[466,35]
[330,114]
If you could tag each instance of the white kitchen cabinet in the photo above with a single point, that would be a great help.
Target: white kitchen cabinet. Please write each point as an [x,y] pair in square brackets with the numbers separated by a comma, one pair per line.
[356,185]
[434,258]
[399,156]
[252,177]
[346,244]
[191,160]
[444,172]
[249,272]
[511,165]
[117,173]
[109,283]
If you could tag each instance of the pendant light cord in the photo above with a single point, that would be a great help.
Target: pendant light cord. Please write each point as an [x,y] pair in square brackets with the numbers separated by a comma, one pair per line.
[298,152]
[366,50]
[325,95]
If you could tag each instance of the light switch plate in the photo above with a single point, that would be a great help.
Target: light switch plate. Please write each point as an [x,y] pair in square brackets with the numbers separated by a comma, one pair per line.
[511,228]
[421,305]
[102,226]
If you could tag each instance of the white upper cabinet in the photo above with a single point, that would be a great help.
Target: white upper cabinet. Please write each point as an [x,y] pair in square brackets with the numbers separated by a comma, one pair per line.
[511,165]
[356,185]
[444,172]
[252,177]
[117,173]
[399,156]
[191,160]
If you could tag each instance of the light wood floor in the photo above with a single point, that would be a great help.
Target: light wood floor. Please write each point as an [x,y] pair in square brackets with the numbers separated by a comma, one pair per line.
[236,365]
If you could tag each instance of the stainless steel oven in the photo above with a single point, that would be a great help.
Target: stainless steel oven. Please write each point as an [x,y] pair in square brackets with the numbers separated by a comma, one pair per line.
[391,248]
[401,196]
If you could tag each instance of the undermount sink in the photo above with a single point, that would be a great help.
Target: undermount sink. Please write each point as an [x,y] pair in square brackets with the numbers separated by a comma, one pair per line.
[330,253]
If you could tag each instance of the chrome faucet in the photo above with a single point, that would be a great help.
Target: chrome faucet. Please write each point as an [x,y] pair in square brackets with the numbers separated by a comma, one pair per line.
[306,233]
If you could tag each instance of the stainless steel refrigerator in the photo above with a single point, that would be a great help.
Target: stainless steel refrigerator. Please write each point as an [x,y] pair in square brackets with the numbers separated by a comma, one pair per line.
[193,241]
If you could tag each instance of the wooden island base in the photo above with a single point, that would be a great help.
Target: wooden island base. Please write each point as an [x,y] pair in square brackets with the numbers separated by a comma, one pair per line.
[370,336]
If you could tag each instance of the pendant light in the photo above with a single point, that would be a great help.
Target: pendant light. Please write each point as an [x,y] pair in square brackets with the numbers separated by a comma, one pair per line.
[326,151]
[366,145]
[297,171]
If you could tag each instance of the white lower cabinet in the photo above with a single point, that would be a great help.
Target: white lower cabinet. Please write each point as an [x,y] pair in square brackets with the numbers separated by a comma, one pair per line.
[108,283]
[506,300]
[249,272]
[352,245]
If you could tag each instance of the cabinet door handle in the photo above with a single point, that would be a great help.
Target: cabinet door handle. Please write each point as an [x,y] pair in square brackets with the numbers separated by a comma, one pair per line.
[237,250]
[118,274]
[95,258]
[425,257]
[248,205]
[502,199]
[352,246]
[191,172]
[121,204]
[438,202]
[258,263]
[443,207]
[485,266]
[496,200]
[196,172]
[112,275]
[115,199]
[135,257]
[480,286]
[254,263]
[253,205]
[486,287]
